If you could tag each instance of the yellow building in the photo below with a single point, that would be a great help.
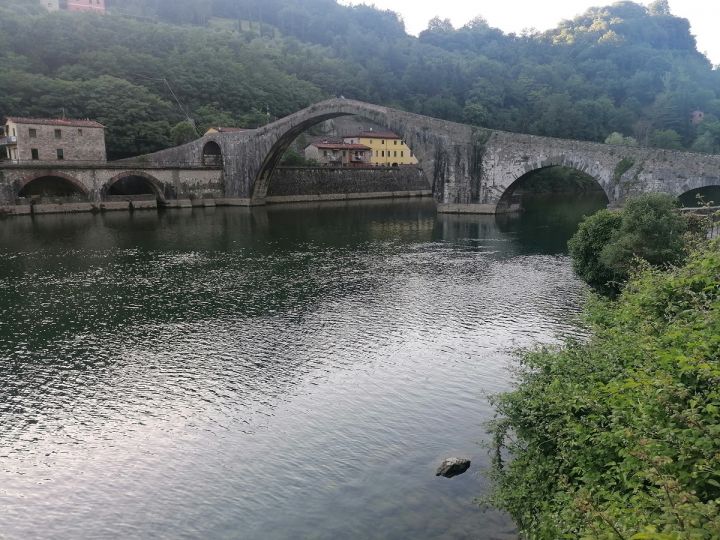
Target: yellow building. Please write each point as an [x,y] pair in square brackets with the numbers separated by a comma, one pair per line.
[388,149]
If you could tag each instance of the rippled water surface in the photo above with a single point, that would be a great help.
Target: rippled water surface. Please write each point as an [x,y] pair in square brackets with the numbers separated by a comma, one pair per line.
[267,373]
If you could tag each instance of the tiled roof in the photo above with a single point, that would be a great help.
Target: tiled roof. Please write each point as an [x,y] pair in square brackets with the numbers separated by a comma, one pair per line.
[228,129]
[55,122]
[375,135]
[340,146]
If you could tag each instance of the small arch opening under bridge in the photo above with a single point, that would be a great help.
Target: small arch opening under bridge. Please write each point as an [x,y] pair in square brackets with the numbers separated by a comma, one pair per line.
[212,155]
[702,196]
[552,181]
[53,186]
[134,185]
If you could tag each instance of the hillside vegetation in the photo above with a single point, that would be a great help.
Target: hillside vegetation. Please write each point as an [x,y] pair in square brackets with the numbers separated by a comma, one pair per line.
[623,69]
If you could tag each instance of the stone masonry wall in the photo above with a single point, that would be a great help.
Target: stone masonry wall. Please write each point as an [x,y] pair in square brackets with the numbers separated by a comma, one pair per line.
[291,181]
[79,144]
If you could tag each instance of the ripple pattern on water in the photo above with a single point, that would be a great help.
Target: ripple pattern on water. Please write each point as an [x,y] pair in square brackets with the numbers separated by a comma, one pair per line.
[230,376]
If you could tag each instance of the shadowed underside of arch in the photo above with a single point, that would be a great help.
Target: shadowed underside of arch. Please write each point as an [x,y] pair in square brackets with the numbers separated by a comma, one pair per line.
[131,183]
[708,195]
[560,177]
[508,200]
[55,184]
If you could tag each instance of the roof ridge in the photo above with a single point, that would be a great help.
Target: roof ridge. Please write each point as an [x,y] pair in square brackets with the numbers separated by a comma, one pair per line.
[55,121]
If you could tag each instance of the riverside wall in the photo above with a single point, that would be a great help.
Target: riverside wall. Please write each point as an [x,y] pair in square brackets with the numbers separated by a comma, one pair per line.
[298,184]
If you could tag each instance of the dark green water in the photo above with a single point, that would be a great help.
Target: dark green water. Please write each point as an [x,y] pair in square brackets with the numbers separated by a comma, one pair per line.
[268,373]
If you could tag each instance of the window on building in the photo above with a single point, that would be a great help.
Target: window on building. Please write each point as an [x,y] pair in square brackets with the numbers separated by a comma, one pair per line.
[395,154]
[325,153]
[395,143]
[60,154]
[58,133]
[80,131]
[33,133]
[402,153]
[35,154]
[383,154]
[382,141]
[377,153]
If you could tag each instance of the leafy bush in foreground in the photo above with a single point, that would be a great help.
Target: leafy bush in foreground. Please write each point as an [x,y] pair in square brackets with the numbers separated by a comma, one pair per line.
[607,243]
[619,437]
[593,234]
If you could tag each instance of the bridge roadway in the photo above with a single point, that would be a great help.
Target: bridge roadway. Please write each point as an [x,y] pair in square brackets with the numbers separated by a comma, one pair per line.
[470,169]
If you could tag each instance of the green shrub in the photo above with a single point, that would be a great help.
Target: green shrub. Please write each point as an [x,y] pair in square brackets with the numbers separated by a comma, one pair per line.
[593,234]
[619,437]
[607,245]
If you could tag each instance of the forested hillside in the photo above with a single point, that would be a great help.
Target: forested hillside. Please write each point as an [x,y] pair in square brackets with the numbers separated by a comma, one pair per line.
[151,64]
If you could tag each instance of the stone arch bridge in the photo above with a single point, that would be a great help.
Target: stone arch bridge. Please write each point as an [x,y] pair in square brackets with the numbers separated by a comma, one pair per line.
[470,169]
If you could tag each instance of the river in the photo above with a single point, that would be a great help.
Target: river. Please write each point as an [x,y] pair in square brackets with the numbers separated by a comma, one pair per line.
[269,373]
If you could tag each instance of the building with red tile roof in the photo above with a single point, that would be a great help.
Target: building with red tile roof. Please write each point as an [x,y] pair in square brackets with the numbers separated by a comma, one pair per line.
[340,154]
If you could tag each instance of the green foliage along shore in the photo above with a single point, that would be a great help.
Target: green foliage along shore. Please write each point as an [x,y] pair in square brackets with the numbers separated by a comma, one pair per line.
[619,437]
[625,69]
[606,244]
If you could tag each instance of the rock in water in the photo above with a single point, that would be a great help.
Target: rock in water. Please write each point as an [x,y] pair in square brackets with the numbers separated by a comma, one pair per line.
[453,467]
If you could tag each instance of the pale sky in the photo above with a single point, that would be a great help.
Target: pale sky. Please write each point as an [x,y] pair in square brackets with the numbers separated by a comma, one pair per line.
[515,15]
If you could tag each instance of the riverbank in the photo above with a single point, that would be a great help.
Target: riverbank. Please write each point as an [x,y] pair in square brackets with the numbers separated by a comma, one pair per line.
[616,436]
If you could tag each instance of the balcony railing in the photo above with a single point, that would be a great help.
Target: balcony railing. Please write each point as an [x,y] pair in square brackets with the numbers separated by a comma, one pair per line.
[4,141]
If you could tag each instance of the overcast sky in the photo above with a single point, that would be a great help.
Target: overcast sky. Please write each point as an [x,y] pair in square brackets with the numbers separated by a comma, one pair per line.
[514,15]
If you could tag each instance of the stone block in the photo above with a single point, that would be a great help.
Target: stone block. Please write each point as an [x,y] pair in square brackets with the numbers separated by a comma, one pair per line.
[113,206]
[179,203]
[144,205]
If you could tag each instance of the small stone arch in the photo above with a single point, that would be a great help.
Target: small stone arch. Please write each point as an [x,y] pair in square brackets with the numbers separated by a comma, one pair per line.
[153,185]
[72,184]
[212,155]
[508,203]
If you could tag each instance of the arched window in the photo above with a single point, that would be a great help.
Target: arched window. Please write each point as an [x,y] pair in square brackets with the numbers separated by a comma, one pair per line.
[212,155]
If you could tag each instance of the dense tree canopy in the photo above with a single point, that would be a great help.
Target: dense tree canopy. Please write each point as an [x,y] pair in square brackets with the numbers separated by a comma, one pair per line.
[623,69]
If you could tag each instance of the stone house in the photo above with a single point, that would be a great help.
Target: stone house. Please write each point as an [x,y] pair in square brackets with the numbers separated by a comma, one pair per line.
[338,154]
[48,140]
